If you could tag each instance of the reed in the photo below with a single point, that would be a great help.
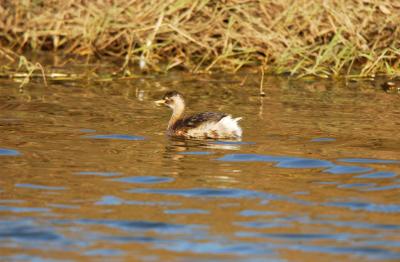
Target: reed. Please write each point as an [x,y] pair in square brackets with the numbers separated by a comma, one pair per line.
[299,37]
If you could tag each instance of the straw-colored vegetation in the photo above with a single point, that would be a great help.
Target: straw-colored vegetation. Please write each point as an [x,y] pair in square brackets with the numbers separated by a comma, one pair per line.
[300,37]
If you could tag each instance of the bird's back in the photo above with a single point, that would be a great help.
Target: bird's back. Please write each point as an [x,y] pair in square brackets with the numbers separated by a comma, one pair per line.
[207,125]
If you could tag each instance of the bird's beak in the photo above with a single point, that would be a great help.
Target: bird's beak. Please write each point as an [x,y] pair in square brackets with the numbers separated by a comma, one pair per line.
[160,102]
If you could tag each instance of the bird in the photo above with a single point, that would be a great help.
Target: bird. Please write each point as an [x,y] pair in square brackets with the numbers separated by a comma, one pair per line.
[206,125]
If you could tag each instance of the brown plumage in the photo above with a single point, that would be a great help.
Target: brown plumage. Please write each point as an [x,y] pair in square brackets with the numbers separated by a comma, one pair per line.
[202,125]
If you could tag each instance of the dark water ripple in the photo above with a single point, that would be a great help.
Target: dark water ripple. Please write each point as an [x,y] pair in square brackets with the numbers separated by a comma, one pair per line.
[352,224]
[296,162]
[389,228]
[302,236]
[206,245]
[217,246]
[383,188]
[27,230]
[294,244]
[224,246]
[141,225]
[369,207]
[369,252]
[128,239]
[207,192]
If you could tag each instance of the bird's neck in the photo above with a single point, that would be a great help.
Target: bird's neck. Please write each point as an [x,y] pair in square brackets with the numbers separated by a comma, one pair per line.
[177,113]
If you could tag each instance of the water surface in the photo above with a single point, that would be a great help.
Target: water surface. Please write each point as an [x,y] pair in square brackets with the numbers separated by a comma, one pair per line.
[87,172]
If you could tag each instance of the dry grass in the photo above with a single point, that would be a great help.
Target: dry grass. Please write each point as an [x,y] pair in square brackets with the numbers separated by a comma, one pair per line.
[300,37]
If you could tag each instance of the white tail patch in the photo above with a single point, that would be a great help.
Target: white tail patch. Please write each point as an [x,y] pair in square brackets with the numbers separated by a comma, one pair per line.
[227,127]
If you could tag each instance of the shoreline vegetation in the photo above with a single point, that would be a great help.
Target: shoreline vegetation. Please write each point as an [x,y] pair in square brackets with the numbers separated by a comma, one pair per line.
[322,38]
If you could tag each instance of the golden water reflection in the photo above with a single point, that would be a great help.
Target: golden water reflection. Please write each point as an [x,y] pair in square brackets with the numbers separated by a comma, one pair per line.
[87,172]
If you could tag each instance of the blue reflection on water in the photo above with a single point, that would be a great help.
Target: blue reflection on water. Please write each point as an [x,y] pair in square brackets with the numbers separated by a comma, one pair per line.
[377,175]
[103,252]
[114,201]
[356,185]
[283,161]
[368,161]
[304,163]
[142,225]
[352,224]
[39,187]
[292,243]
[207,192]
[217,246]
[195,153]
[15,209]
[116,137]
[252,158]
[186,211]
[9,152]
[263,224]
[347,169]
[144,179]
[382,188]
[295,162]
[27,230]
[370,207]
[105,174]
[250,213]
[300,236]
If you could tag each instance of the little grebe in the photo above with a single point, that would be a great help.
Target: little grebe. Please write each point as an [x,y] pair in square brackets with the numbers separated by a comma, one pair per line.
[203,125]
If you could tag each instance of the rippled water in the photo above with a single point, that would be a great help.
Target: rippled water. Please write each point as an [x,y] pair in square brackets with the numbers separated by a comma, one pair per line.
[88,173]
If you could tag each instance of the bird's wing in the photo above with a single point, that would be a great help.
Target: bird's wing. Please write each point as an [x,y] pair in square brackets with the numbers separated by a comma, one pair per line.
[198,119]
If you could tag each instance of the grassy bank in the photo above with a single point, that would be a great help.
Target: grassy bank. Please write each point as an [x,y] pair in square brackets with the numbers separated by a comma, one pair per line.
[301,37]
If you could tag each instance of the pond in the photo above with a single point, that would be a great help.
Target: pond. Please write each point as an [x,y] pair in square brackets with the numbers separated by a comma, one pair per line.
[87,172]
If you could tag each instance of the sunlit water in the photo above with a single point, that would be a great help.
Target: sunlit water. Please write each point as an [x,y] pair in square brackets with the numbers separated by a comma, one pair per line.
[87,172]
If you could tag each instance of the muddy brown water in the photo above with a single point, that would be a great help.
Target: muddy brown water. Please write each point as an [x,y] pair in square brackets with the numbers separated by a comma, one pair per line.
[87,172]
